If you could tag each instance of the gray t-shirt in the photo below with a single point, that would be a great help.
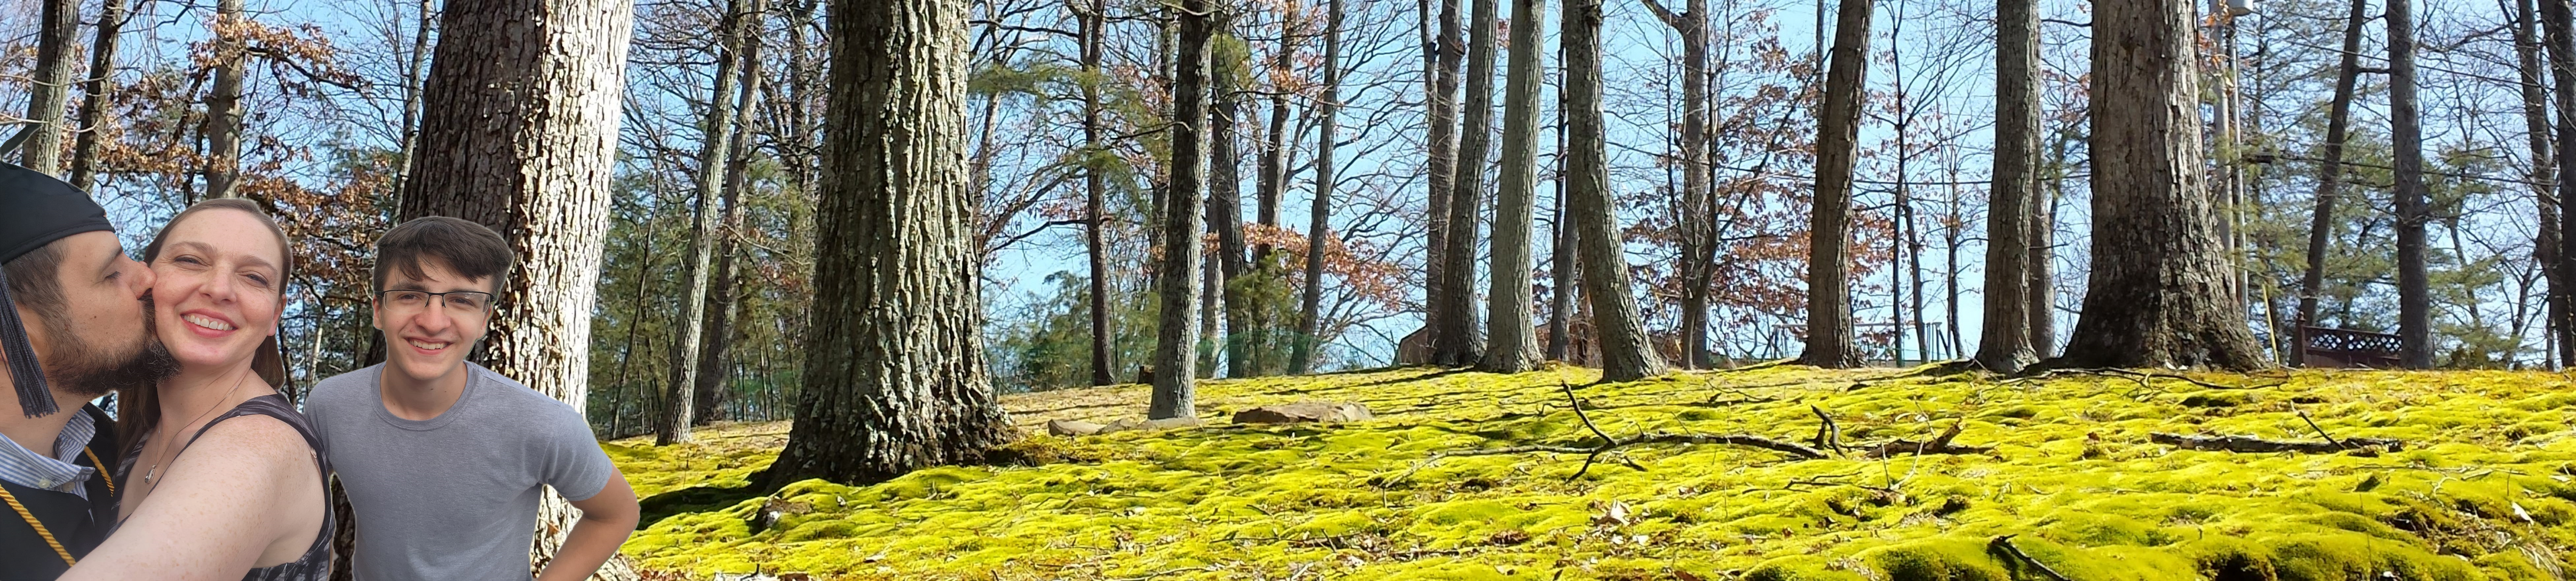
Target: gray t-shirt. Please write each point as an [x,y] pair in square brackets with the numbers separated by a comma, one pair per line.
[453,497]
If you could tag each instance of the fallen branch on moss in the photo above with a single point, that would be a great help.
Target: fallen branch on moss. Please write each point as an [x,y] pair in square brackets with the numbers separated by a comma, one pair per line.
[2261,446]
[2004,544]
[1592,454]
[1938,445]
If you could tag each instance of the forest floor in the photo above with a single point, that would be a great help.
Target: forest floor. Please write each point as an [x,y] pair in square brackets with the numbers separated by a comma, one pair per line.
[2057,478]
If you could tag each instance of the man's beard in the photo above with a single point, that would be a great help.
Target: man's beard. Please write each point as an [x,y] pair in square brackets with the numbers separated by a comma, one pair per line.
[87,371]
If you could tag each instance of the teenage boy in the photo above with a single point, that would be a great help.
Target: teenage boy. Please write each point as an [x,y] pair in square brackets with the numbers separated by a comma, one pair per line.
[442,459]
[75,322]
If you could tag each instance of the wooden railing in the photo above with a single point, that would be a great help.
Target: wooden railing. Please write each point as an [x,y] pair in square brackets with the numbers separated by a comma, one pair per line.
[2324,347]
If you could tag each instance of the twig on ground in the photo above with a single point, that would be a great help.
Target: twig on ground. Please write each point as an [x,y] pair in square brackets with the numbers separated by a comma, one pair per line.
[2321,431]
[1938,445]
[2005,543]
[1592,454]
[1828,435]
[2260,445]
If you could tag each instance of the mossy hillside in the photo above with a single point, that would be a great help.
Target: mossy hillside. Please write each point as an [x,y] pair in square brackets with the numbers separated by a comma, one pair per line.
[2481,492]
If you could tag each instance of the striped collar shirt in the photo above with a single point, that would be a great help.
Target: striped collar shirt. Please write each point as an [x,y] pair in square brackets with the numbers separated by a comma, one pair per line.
[59,472]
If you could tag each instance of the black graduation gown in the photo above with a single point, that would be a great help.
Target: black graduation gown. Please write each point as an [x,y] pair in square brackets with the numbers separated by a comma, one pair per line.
[78,524]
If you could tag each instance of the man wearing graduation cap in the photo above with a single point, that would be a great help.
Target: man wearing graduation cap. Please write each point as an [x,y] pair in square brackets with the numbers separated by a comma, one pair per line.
[77,326]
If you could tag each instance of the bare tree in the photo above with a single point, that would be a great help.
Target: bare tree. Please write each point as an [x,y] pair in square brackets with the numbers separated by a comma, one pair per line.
[895,376]
[1696,208]
[1460,340]
[57,27]
[1626,354]
[2406,130]
[714,151]
[725,298]
[1095,192]
[2535,117]
[93,111]
[1301,356]
[2158,295]
[2330,170]
[1176,276]
[1443,54]
[1511,340]
[2003,346]
[1829,332]
[223,125]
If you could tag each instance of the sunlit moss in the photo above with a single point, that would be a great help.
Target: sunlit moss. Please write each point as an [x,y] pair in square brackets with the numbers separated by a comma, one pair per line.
[2481,489]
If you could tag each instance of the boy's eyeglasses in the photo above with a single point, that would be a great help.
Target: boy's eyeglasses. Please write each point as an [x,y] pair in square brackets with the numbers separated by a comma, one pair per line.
[473,304]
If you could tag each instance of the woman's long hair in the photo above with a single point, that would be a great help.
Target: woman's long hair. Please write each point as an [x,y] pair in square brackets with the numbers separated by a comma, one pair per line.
[138,407]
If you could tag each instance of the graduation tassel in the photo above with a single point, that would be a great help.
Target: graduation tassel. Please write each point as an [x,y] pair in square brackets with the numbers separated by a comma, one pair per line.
[24,371]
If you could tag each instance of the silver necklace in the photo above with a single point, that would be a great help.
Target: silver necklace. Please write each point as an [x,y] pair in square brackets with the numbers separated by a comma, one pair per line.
[150,475]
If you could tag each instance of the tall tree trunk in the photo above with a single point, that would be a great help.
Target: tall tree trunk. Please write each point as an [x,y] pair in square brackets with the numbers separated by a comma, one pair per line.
[895,377]
[2406,130]
[2003,345]
[1225,204]
[1301,356]
[2330,170]
[1274,153]
[1511,340]
[93,111]
[2043,254]
[1177,277]
[1626,353]
[1095,195]
[223,125]
[2558,27]
[2535,118]
[1697,207]
[714,148]
[519,133]
[1460,340]
[725,299]
[49,92]
[1442,53]
[1560,260]
[1829,328]
[2158,293]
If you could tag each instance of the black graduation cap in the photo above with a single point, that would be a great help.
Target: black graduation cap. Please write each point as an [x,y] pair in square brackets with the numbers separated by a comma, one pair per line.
[35,210]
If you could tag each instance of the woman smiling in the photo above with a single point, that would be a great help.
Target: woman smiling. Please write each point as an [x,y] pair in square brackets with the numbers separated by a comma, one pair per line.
[225,476]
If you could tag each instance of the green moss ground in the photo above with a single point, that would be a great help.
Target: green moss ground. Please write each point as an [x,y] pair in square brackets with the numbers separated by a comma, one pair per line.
[2482,490]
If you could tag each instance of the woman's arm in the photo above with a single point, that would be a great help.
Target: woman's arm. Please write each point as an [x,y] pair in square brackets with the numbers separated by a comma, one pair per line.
[222,503]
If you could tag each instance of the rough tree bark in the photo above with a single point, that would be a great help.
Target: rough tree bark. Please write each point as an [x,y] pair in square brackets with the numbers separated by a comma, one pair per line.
[519,132]
[2158,292]
[2330,170]
[1301,357]
[1626,354]
[223,125]
[93,111]
[1225,206]
[2558,27]
[50,89]
[1696,206]
[1274,147]
[1511,340]
[895,377]
[1095,194]
[2043,253]
[2406,130]
[679,400]
[2535,117]
[2003,345]
[724,299]
[1461,340]
[1442,53]
[1829,329]
[1176,275]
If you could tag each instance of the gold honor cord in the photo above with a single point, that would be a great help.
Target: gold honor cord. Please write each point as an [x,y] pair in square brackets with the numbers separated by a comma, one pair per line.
[41,531]
[39,525]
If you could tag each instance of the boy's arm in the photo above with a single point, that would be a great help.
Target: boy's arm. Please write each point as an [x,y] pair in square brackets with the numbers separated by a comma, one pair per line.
[606,519]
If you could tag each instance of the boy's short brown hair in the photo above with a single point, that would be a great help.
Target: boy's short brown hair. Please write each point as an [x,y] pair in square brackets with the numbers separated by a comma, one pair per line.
[464,247]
